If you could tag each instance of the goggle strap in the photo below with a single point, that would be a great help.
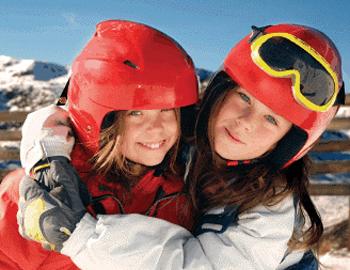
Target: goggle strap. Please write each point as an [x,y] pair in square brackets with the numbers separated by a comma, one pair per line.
[63,97]
[340,99]
[257,32]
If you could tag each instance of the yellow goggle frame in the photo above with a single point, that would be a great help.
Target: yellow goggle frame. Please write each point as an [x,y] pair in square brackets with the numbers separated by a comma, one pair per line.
[293,73]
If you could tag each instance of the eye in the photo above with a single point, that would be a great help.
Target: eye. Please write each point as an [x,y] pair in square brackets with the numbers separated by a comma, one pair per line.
[167,110]
[271,120]
[135,113]
[244,97]
[60,122]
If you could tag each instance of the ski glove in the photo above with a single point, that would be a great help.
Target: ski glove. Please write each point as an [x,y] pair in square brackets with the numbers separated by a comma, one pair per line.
[45,133]
[49,215]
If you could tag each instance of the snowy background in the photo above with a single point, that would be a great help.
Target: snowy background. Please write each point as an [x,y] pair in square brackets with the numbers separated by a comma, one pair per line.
[27,85]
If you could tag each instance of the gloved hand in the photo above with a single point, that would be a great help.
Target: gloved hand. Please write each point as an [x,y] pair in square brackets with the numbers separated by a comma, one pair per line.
[50,216]
[45,133]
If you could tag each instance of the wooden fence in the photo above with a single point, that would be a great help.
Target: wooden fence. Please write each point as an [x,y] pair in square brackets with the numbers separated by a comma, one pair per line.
[316,189]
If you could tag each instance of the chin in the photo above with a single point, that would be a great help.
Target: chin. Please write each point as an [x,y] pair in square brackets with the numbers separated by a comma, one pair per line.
[151,162]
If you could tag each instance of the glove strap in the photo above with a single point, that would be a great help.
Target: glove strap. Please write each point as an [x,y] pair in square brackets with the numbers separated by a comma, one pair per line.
[38,168]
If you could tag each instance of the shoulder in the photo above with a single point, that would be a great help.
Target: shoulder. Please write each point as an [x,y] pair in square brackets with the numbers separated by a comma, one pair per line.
[257,238]
[277,220]
[259,221]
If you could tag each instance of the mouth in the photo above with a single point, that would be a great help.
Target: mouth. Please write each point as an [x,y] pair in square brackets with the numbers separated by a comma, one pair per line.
[152,145]
[233,137]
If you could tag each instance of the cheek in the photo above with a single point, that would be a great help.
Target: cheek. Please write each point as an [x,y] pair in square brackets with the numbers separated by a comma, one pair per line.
[172,128]
[268,143]
[215,130]
[124,146]
[265,146]
[128,139]
[133,130]
[219,118]
[174,131]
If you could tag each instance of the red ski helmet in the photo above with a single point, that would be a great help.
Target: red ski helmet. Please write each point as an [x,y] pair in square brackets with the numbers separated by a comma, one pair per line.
[294,70]
[127,65]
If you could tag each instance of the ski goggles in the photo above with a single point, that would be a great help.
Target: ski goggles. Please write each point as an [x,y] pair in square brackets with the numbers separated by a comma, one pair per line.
[314,83]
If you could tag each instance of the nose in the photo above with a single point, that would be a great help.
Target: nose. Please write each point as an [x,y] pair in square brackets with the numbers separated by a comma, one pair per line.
[155,122]
[247,120]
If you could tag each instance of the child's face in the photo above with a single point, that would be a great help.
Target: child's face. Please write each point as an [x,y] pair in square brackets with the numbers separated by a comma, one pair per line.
[149,135]
[245,128]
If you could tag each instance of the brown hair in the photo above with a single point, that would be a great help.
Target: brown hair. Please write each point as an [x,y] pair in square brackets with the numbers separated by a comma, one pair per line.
[109,161]
[213,184]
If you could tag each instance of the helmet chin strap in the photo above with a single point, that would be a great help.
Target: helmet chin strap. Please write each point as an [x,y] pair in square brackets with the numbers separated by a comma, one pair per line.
[233,163]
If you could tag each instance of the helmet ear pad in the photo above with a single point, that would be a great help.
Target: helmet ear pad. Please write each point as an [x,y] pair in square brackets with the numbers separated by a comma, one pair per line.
[286,148]
[108,120]
[187,120]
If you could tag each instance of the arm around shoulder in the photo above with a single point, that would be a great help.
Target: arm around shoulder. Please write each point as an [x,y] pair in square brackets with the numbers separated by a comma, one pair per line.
[258,241]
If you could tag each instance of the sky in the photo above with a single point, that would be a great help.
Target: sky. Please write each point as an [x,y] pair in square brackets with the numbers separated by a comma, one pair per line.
[56,31]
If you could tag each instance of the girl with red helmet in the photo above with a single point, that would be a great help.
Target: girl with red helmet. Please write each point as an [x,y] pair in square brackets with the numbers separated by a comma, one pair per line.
[275,94]
[124,98]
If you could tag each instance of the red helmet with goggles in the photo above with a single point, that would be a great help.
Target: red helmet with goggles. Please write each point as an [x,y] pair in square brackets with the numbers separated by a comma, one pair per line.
[294,70]
[127,65]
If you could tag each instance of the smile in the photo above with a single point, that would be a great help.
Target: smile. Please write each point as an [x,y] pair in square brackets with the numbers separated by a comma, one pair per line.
[153,146]
[235,139]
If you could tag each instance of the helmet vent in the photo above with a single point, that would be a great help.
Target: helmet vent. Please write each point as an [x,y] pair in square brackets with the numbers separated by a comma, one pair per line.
[130,64]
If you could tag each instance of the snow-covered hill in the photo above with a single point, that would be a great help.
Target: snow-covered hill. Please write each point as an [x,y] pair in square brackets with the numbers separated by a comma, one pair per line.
[203,74]
[29,84]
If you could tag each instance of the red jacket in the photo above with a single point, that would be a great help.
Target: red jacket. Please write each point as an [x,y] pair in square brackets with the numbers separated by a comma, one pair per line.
[152,195]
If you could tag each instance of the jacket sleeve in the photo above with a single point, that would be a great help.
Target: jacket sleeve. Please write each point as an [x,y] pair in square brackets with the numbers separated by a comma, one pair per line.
[257,241]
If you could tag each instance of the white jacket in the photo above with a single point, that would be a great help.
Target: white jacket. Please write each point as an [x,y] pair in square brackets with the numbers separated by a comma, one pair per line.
[258,240]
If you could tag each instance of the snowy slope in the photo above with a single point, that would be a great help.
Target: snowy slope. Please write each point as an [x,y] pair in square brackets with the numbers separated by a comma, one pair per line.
[29,84]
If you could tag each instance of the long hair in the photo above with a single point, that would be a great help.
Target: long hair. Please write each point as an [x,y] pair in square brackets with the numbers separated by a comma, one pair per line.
[213,184]
[110,162]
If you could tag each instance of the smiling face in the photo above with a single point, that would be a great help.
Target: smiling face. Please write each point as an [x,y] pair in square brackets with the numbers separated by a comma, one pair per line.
[148,135]
[244,128]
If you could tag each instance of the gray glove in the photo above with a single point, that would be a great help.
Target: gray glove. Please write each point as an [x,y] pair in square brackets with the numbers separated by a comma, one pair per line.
[50,208]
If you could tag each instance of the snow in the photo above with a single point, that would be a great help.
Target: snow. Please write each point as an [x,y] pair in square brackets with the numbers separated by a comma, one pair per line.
[343,112]
[336,260]
[29,84]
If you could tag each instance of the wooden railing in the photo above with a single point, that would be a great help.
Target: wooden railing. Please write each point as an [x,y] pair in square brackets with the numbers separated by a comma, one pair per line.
[316,189]
[317,168]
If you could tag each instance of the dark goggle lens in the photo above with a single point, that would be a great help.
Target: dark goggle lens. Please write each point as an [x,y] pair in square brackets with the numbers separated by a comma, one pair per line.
[281,54]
